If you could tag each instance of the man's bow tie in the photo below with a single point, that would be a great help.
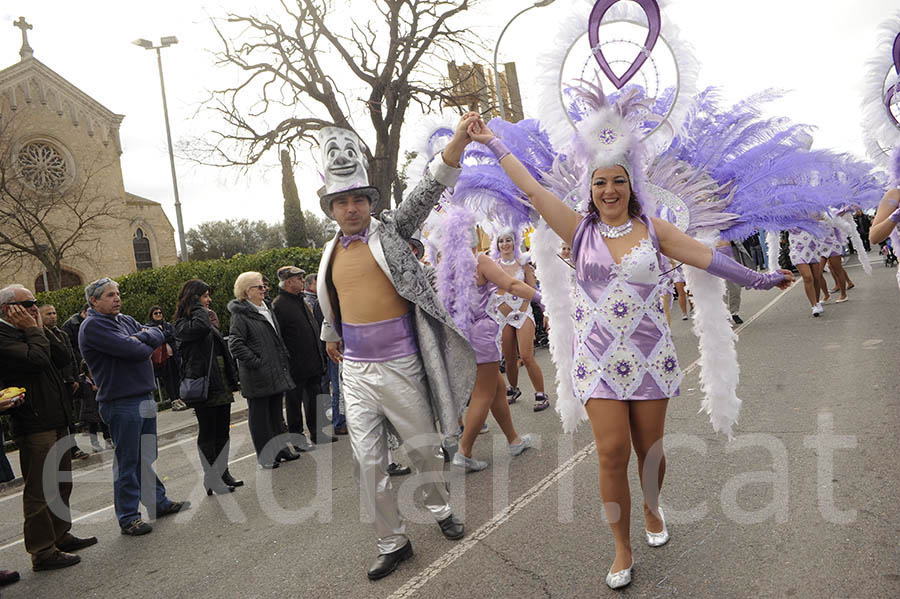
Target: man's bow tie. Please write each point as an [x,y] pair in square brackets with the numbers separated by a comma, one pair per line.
[363,236]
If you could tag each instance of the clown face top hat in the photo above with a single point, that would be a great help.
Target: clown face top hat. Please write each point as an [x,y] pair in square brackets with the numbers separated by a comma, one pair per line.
[344,164]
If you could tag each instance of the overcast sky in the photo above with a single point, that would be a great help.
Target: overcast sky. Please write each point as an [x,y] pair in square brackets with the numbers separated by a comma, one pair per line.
[817,48]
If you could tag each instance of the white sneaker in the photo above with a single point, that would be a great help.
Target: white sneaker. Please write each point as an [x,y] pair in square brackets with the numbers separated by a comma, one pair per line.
[817,309]
[470,464]
[523,444]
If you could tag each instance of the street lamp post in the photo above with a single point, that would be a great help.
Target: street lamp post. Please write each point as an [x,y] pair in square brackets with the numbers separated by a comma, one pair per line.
[164,43]
[539,4]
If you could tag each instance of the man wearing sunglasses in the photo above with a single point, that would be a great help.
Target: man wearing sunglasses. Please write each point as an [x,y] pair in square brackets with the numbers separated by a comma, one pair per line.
[31,358]
[117,351]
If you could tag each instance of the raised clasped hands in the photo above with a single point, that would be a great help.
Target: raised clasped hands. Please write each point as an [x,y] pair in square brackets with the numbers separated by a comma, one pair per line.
[479,131]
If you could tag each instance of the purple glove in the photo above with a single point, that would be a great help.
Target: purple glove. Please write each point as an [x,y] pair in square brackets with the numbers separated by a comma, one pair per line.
[537,298]
[726,268]
[498,148]
[894,216]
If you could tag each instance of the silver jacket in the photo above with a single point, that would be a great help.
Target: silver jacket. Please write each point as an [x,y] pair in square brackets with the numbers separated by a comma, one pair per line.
[448,357]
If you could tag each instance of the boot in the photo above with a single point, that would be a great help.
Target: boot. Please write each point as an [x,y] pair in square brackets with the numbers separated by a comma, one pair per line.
[215,485]
[230,480]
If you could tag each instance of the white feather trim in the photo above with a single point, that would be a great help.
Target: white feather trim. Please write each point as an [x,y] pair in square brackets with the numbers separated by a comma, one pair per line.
[881,134]
[895,244]
[556,292]
[426,145]
[719,370]
[846,225]
[773,249]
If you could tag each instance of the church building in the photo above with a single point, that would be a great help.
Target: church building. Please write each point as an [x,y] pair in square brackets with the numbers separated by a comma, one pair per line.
[60,152]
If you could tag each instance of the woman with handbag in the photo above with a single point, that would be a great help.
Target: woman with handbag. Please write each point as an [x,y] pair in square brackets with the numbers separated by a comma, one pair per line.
[210,378]
[263,363]
[165,359]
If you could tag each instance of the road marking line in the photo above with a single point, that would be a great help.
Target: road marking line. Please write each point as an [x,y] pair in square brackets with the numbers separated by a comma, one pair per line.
[415,583]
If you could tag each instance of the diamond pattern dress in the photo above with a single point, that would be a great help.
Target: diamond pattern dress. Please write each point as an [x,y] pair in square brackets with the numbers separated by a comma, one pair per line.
[623,346]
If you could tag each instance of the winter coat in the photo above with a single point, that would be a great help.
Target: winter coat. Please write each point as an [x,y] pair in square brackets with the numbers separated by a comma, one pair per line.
[169,331]
[117,351]
[300,332]
[196,338]
[69,372]
[90,409]
[32,359]
[70,328]
[263,360]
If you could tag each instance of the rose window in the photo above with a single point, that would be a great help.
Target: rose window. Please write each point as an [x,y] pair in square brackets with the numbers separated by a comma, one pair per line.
[42,166]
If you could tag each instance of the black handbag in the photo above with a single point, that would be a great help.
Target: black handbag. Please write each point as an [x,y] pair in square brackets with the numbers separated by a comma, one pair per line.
[194,391]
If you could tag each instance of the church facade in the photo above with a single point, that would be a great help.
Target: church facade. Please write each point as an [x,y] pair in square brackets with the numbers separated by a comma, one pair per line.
[60,144]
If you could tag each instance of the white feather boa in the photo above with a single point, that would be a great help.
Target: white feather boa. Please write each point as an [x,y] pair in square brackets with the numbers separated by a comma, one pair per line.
[895,244]
[556,292]
[719,370]
[846,225]
[881,134]
[773,249]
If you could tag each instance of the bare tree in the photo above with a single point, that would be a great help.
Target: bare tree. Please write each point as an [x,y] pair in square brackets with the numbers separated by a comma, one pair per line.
[47,212]
[307,68]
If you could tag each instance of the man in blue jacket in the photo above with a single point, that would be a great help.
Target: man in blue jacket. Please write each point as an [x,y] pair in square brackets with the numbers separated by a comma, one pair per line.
[117,351]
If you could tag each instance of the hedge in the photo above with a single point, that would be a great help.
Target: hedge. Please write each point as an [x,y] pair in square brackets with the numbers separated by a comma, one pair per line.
[159,286]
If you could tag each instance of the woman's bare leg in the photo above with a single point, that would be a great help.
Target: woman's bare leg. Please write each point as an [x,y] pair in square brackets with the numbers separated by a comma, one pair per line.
[508,343]
[819,274]
[500,410]
[840,275]
[610,424]
[525,337]
[482,399]
[682,298]
[809,283]
[647,420]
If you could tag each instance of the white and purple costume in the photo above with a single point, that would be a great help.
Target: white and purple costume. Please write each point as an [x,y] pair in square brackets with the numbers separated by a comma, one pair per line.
[832,245]
[623,345]
[804,249]
[485,332]
[516,317]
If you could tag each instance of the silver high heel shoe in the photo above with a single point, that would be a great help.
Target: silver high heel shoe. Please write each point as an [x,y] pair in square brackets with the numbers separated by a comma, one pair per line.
[622,578]
[658,539]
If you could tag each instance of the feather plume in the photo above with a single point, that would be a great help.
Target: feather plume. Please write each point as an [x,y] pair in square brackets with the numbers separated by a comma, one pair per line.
[882,135]
[457,266]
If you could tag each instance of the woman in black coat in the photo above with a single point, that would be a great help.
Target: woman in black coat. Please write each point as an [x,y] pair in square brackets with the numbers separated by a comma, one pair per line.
[263,365]
[167,374]
[204,353]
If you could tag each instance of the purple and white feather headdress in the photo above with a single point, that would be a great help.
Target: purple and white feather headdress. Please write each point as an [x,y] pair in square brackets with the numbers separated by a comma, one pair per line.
[881,100]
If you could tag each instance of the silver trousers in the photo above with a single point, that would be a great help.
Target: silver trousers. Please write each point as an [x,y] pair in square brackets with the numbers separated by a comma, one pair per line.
[379,395]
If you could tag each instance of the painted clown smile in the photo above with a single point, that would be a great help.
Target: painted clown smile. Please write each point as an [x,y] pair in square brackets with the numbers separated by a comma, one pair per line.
[342,170]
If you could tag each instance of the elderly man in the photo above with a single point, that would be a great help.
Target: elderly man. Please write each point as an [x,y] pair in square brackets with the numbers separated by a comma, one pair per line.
[31,357]
[69,372]
[300,332]
[117,351]
[405,363]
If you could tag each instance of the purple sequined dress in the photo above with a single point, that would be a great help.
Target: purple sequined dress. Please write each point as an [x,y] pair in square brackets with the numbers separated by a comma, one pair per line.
[623,345]
[484,332]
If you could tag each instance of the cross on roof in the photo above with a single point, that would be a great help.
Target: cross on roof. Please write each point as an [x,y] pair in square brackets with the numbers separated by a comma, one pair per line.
[26,51]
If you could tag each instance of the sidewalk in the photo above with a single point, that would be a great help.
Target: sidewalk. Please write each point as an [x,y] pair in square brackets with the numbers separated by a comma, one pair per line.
[169,425]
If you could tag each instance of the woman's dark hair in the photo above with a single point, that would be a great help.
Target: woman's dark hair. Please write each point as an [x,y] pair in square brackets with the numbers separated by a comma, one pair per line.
[634,206]
[189,296]
[151,311]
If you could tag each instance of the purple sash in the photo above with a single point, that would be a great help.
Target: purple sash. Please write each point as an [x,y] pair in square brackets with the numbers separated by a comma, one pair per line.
[380,341]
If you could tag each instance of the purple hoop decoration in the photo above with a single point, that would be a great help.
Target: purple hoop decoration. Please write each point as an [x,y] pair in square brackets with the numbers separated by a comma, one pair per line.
[896,53]
[888,98]
[651,9]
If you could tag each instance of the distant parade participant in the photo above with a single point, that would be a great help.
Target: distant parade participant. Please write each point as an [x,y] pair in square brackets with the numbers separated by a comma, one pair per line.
[400,346]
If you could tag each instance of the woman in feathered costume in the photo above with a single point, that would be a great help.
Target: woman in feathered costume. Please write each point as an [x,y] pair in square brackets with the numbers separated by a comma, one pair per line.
[466,283]
[515,318]
[625,365]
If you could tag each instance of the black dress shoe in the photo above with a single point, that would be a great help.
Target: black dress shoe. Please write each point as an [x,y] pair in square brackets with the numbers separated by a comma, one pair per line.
[70,543]
[286,455]
[271,466]
[230,480]
[737,319]
[8,577]
[302,445]
[59,559]
[395,469]
[386,563]
[340,430]
[452,528]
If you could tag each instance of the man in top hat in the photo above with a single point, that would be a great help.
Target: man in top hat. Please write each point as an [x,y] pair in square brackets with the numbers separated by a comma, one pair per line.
[405,363]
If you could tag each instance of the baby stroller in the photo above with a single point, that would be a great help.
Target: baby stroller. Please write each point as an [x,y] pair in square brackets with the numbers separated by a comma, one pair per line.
[890,259]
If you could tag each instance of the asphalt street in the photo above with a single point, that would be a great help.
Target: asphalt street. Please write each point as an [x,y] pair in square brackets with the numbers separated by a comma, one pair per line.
[802,503]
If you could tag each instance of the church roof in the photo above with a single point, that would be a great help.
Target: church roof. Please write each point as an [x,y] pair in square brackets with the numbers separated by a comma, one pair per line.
[30,81]
[131,198]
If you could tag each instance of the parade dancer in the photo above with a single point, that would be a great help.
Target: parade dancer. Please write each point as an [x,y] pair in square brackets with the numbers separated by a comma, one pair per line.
[625,364]
[805,252]
[515,319]
[466,284]
[405,363]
